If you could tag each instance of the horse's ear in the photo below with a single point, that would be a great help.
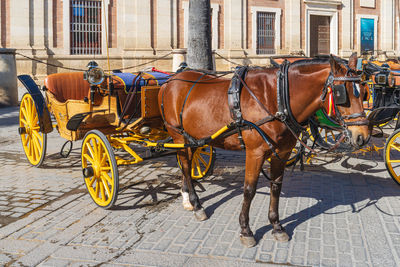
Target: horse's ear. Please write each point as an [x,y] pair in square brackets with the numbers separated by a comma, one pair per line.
[353,61]
[335,66]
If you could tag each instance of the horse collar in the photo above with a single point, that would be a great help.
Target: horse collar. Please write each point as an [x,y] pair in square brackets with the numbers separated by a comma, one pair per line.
[284,113]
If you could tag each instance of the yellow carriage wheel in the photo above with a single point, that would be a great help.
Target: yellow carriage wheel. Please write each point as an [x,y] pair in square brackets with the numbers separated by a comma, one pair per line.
[392,155]
[100,170]
[202,162]
[33,140]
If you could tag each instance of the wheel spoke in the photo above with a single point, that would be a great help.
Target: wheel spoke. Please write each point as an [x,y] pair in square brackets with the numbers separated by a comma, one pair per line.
[89,147]
[103,160]
[103,195]
[35,119]
[395,146]
[106,169]
[33,145]
[100,151]
[24,114]
[29,110]
[25,139]
[202,160]
[106,188]
[23,121]
[96,193]
[86,156]
[205,152]
[95,150]
[394,160]
[40,137]
[107,177]
[30,146]
[198,166]
[36,145]
[91,181]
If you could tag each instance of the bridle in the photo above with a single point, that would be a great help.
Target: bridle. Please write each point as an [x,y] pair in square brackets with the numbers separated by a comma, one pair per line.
[340,98]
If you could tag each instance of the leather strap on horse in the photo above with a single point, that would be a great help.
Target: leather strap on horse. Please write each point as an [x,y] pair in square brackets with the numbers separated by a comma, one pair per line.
[234,91]
[239,122]
[284,113]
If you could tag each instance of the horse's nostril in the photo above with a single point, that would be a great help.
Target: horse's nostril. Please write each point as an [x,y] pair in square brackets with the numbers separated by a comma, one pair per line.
[360,140]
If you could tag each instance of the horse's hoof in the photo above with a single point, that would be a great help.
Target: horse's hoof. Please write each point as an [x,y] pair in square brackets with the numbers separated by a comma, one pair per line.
[280,236]
[187,206]
[248,241]
[200,215]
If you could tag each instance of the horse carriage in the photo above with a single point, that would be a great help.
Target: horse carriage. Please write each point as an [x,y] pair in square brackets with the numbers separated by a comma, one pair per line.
[259,109]
[108,112]
[385,98]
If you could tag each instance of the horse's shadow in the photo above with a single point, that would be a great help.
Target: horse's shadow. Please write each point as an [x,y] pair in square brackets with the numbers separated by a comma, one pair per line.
[342,193]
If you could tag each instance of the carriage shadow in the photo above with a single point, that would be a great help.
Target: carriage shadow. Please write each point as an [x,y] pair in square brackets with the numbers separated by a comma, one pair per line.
[56,161]
[331,191]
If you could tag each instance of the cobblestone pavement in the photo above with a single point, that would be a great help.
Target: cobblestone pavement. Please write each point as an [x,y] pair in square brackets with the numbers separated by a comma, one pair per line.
[338,212]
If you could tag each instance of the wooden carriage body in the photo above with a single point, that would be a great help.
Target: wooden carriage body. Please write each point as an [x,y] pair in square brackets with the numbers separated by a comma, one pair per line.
[68,95]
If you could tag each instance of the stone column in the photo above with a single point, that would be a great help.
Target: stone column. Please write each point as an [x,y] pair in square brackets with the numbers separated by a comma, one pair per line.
[104,30]
[66,26]
[235,24]
[387,26]
[292,26]
[19,25]
[347,29]
[142,12]
[8,78]
[38,41]
[164,25]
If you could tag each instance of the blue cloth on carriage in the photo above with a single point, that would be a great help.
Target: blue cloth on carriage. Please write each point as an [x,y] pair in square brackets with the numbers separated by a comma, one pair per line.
[146,78]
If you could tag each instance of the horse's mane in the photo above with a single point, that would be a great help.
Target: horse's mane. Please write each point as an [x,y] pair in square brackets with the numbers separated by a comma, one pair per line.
[318,60]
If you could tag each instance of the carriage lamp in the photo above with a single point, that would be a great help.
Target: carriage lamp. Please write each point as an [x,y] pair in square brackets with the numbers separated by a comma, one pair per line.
[380,78]
[94,75]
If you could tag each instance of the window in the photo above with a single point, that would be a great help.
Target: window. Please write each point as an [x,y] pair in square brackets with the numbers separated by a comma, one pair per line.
[265,33]
[85,27]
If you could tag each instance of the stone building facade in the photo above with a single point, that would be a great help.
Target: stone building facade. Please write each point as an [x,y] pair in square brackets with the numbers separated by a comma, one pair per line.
[72,32]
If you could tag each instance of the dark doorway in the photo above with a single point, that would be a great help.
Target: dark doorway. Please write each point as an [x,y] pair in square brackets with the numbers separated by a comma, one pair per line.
[319,35]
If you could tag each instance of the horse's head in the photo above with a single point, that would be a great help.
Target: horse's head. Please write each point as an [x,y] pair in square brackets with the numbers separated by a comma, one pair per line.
[349,92]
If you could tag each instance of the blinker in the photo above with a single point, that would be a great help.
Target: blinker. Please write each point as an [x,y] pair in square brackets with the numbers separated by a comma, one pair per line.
[340,94]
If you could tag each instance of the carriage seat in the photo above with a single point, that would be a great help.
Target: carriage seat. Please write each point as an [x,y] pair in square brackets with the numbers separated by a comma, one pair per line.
[67,86]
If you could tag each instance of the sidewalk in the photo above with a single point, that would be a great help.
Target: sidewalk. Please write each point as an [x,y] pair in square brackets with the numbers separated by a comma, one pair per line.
[342,213]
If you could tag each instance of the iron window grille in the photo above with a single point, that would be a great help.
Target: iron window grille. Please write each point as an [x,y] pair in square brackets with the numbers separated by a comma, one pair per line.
[85,27]
[265,33]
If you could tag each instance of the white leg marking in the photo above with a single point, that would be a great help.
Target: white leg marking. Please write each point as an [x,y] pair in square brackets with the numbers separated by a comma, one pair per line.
[185,201]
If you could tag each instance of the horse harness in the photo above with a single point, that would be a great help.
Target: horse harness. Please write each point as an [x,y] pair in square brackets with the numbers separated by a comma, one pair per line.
[284,113]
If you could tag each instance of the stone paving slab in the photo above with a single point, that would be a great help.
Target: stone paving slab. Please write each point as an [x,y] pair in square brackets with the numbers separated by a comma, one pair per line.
[343,210]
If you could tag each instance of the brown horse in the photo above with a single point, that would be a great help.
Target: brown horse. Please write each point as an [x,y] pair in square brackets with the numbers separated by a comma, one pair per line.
[206,111]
